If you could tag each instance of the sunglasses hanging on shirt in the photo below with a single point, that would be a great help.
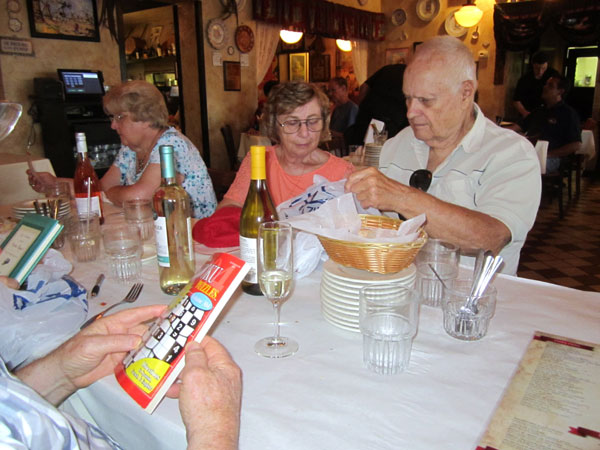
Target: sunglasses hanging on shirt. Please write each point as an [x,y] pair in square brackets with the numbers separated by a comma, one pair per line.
[420,179]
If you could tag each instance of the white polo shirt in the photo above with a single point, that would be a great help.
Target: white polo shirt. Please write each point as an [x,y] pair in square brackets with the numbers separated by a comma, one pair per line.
[493,170]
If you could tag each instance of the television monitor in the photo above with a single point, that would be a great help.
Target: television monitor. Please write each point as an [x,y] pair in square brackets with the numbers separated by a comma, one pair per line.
[82,85]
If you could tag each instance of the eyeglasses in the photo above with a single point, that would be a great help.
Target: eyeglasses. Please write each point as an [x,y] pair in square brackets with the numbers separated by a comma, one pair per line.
[117,117]
[420,179]
[293,125]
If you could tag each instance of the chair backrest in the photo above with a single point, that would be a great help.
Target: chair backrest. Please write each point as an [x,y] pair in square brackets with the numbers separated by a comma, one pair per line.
[230,146]
[541,149]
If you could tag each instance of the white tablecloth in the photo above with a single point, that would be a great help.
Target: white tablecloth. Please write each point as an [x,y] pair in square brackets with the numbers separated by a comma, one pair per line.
[14,184]
[323,397]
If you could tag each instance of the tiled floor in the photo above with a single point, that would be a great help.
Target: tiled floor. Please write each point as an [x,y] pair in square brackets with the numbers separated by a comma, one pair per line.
[567,251]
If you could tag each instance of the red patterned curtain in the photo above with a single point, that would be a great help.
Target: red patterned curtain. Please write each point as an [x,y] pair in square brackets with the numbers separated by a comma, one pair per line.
[321,17]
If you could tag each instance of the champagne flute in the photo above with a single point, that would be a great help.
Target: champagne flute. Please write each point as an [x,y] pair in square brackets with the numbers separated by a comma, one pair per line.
[275,271]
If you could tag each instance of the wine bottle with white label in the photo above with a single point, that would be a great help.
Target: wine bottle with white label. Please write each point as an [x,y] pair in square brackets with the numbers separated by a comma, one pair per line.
[172,227]
[258,208]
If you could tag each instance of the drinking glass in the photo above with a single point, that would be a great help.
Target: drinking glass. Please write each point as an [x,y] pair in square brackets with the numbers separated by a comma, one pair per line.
[275,271]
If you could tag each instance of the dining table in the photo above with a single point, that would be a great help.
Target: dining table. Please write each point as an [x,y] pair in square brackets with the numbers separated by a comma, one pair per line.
[323,397]
[14,184]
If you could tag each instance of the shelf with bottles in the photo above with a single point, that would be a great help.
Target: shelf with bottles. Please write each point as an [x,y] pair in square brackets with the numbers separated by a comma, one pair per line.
[102,155]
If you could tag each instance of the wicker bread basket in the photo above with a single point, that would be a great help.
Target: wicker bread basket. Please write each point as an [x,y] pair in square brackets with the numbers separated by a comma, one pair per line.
[374,257]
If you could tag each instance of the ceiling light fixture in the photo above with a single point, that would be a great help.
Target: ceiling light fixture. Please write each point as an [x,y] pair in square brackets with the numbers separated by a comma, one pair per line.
[469,15]
[343,45]
[290,37]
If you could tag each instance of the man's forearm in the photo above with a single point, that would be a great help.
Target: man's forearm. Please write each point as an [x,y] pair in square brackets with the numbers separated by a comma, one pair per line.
[565,150]
[45,377]
[462,226]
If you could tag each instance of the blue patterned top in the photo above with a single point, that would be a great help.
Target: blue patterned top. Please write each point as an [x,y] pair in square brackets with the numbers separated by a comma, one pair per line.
[188,162]
[27,421]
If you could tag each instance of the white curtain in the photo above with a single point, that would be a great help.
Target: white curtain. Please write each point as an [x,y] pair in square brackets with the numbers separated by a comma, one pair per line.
[359,60]
[267,38]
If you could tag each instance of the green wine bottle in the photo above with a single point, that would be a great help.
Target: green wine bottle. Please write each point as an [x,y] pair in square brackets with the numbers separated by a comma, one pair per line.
[258,208]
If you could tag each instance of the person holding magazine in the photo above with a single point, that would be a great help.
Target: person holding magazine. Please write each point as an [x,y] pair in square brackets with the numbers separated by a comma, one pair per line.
[209,393]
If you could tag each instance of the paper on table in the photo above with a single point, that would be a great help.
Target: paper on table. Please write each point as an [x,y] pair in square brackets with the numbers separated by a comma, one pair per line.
[338,219]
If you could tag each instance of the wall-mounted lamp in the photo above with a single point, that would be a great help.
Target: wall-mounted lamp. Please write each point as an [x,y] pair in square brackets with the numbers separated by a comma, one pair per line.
[469,15]
[343,45]
[290,37]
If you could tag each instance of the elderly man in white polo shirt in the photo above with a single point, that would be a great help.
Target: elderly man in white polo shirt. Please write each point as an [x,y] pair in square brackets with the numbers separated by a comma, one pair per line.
[485,187]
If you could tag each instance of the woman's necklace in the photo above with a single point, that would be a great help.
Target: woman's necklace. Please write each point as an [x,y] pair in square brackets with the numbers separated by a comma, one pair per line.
[142,160]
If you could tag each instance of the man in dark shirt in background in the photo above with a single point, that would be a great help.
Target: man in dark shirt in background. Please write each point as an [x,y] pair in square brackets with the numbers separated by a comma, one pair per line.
[555,122]
[345,111]
[380,98]
[528,93]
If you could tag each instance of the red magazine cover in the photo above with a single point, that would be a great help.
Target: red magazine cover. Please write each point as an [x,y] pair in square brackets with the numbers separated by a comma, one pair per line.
[147,372]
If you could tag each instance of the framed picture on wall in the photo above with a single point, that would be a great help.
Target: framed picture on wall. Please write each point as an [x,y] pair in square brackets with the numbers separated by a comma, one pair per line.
[232,76]
[298,66]
[75,20]
[397,55]
[320,68]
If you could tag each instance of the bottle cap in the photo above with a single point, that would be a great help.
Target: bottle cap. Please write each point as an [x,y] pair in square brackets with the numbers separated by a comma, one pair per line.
[167,163]
[257,155]
[81,142]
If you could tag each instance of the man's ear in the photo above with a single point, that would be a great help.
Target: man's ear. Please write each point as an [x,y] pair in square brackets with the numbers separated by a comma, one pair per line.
[468,89]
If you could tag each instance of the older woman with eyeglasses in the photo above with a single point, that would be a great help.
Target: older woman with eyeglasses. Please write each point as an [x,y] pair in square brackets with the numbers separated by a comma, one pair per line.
[296,118]
[138,113]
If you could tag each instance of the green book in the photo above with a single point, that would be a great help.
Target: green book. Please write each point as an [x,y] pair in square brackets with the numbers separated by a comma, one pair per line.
[27,243]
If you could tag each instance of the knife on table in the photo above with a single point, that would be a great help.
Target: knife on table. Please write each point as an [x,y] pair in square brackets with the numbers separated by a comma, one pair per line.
[96,287]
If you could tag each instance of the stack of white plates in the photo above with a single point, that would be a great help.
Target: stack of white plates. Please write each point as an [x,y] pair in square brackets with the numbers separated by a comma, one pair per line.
[372,153]
[340,287]
[20,209]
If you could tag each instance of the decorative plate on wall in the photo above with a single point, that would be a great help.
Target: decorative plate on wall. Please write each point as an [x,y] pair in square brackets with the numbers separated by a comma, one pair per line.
[452,28]
[215,32]
[399,17]
[428,9]
[244,38]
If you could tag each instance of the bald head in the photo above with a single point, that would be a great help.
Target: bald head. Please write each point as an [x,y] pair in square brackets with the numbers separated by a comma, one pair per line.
[448,57]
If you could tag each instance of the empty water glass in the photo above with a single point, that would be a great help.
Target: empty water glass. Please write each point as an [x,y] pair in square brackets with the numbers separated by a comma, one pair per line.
[83,233]
[123,246]
[138,212]
[440,257]
[388,317]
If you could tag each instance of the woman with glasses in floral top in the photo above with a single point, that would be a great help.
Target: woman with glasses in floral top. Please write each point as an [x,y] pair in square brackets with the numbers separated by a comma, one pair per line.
[139,115]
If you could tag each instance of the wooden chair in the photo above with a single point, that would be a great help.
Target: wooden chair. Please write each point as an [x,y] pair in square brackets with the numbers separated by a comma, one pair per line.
[221,180]
[553,182]
[230,146]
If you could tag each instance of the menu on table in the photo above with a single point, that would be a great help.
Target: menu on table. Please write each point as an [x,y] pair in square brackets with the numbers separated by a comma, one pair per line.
[553,400]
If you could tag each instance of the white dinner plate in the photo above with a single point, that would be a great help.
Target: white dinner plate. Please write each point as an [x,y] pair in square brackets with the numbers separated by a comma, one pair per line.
[340,323]
[351,290]
[340,313]
[352,276]
[332,299]
[149,251]
[351,301]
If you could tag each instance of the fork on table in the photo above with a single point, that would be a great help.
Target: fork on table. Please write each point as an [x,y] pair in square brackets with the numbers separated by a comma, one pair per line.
[131,297]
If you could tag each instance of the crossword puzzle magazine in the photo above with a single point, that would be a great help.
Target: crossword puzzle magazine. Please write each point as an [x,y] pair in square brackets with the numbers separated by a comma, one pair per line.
[147,372]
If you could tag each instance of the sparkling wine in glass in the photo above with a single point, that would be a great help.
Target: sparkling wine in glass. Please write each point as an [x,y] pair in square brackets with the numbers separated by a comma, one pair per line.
[275,272]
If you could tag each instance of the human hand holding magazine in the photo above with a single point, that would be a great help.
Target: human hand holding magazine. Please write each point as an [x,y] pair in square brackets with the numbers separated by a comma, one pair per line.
[148,371]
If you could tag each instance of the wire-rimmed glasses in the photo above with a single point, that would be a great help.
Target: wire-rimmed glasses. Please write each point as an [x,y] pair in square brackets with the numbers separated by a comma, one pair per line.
[275,271]
[292,126]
